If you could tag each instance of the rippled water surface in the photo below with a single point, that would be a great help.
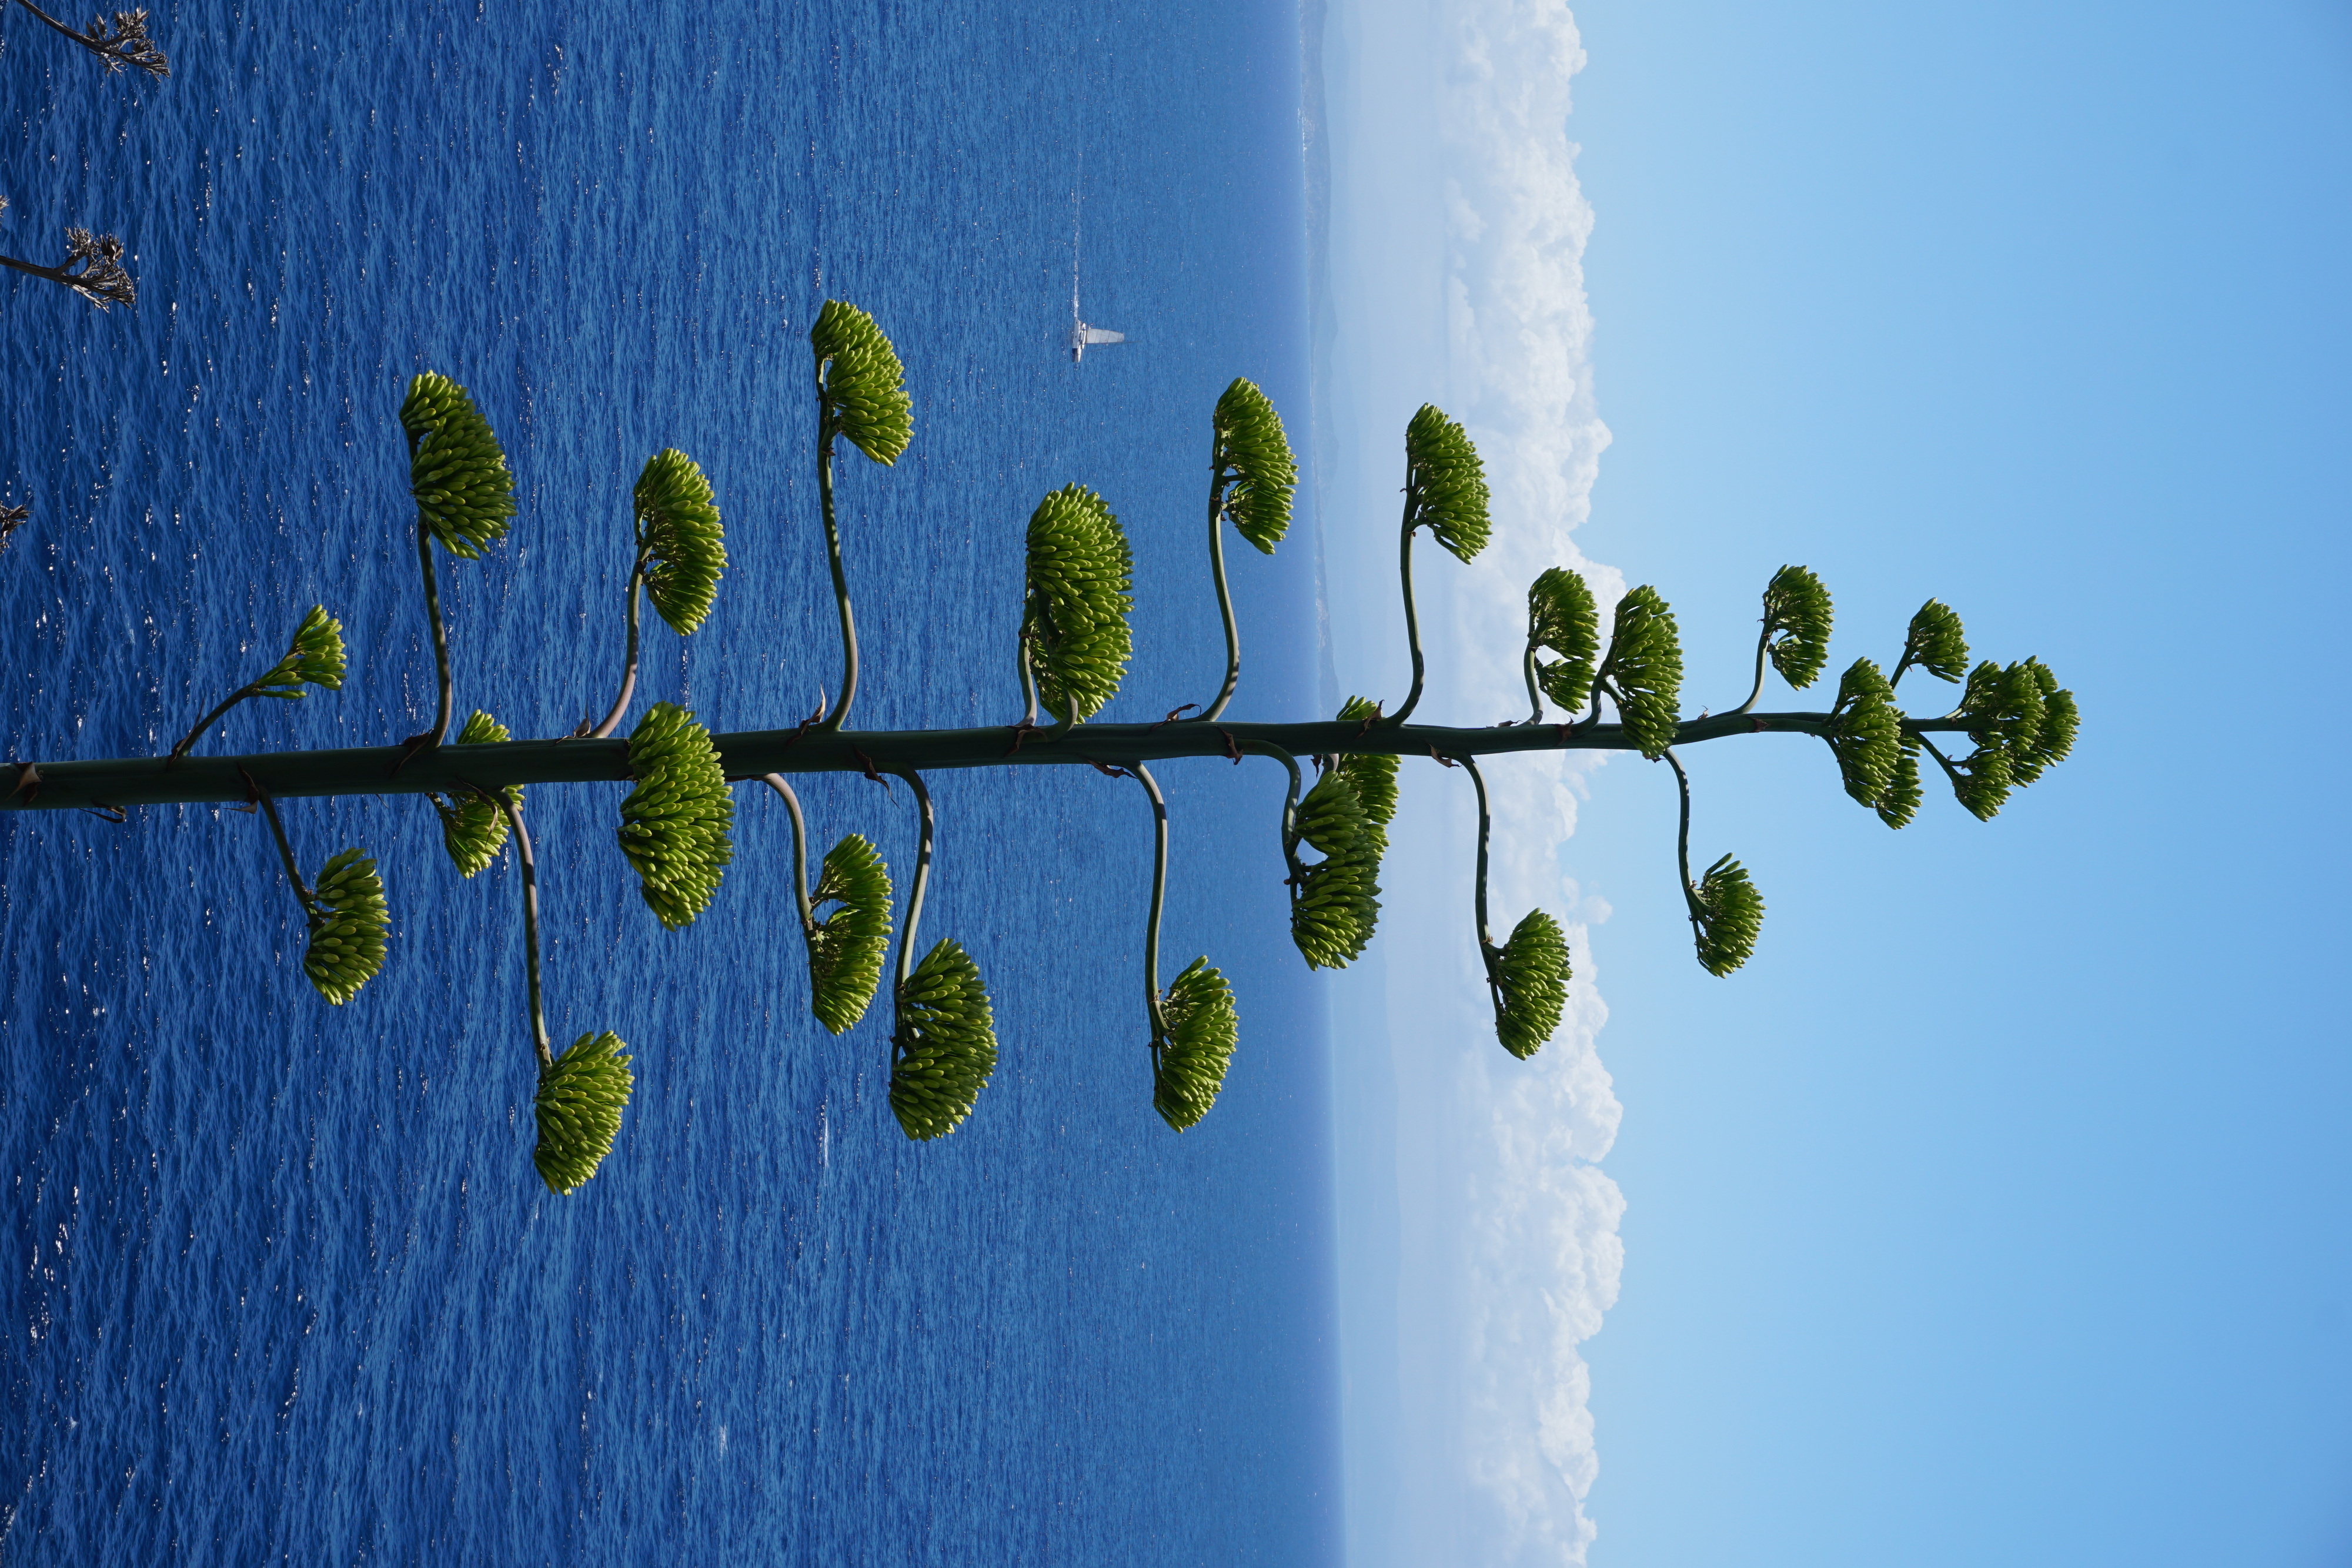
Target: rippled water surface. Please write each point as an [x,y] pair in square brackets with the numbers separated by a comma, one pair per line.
[285,1283]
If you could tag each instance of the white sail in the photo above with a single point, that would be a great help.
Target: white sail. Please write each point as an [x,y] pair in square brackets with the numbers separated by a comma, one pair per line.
[1100,335]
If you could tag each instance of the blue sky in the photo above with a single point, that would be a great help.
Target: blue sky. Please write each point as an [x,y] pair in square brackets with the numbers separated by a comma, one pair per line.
[1995,1211]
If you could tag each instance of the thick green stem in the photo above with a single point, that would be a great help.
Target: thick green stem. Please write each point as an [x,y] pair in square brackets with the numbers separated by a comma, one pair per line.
[1028,684]
[1159,902]
[302,894]
[1290,810]
[800,852]
[629,670]
[432,739]
[1942,761]
[530,924]
[1478,900]
[206,722]
[748,754]
[1070,720]
[922,876]
[1489,955]
[1412,616]
[1535,692]
[1763,646]
[840,713]
[1225,594]
[1682,843]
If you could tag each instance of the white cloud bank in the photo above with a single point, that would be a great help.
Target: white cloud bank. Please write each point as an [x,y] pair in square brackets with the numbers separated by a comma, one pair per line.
[1544,1257]
[1478,1236]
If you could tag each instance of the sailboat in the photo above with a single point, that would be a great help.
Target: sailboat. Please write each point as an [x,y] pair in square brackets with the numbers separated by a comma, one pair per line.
[1083,336]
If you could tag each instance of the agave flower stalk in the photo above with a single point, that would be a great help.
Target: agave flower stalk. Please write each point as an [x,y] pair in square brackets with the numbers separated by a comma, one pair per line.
[125,44]
[675,824]
[1251,475]
[314,657]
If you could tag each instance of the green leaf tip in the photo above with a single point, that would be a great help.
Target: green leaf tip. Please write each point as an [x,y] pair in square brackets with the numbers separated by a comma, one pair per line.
[314,657]
[1563,617]
[1935,643]
[578,1109]
[1190,1059]
[456,471]
[1868,740]
[1797,624]
[674,823]
[1727,913]
[1643,671]
[945,1045]
[348,927]
[679,534]
[1446,482]
[1252,448]
[860,383]
[473,831]
[847,947]
[1528,979]
[1081,575]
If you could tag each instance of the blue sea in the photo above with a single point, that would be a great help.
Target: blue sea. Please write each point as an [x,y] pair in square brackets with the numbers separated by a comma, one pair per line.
[284,1285]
